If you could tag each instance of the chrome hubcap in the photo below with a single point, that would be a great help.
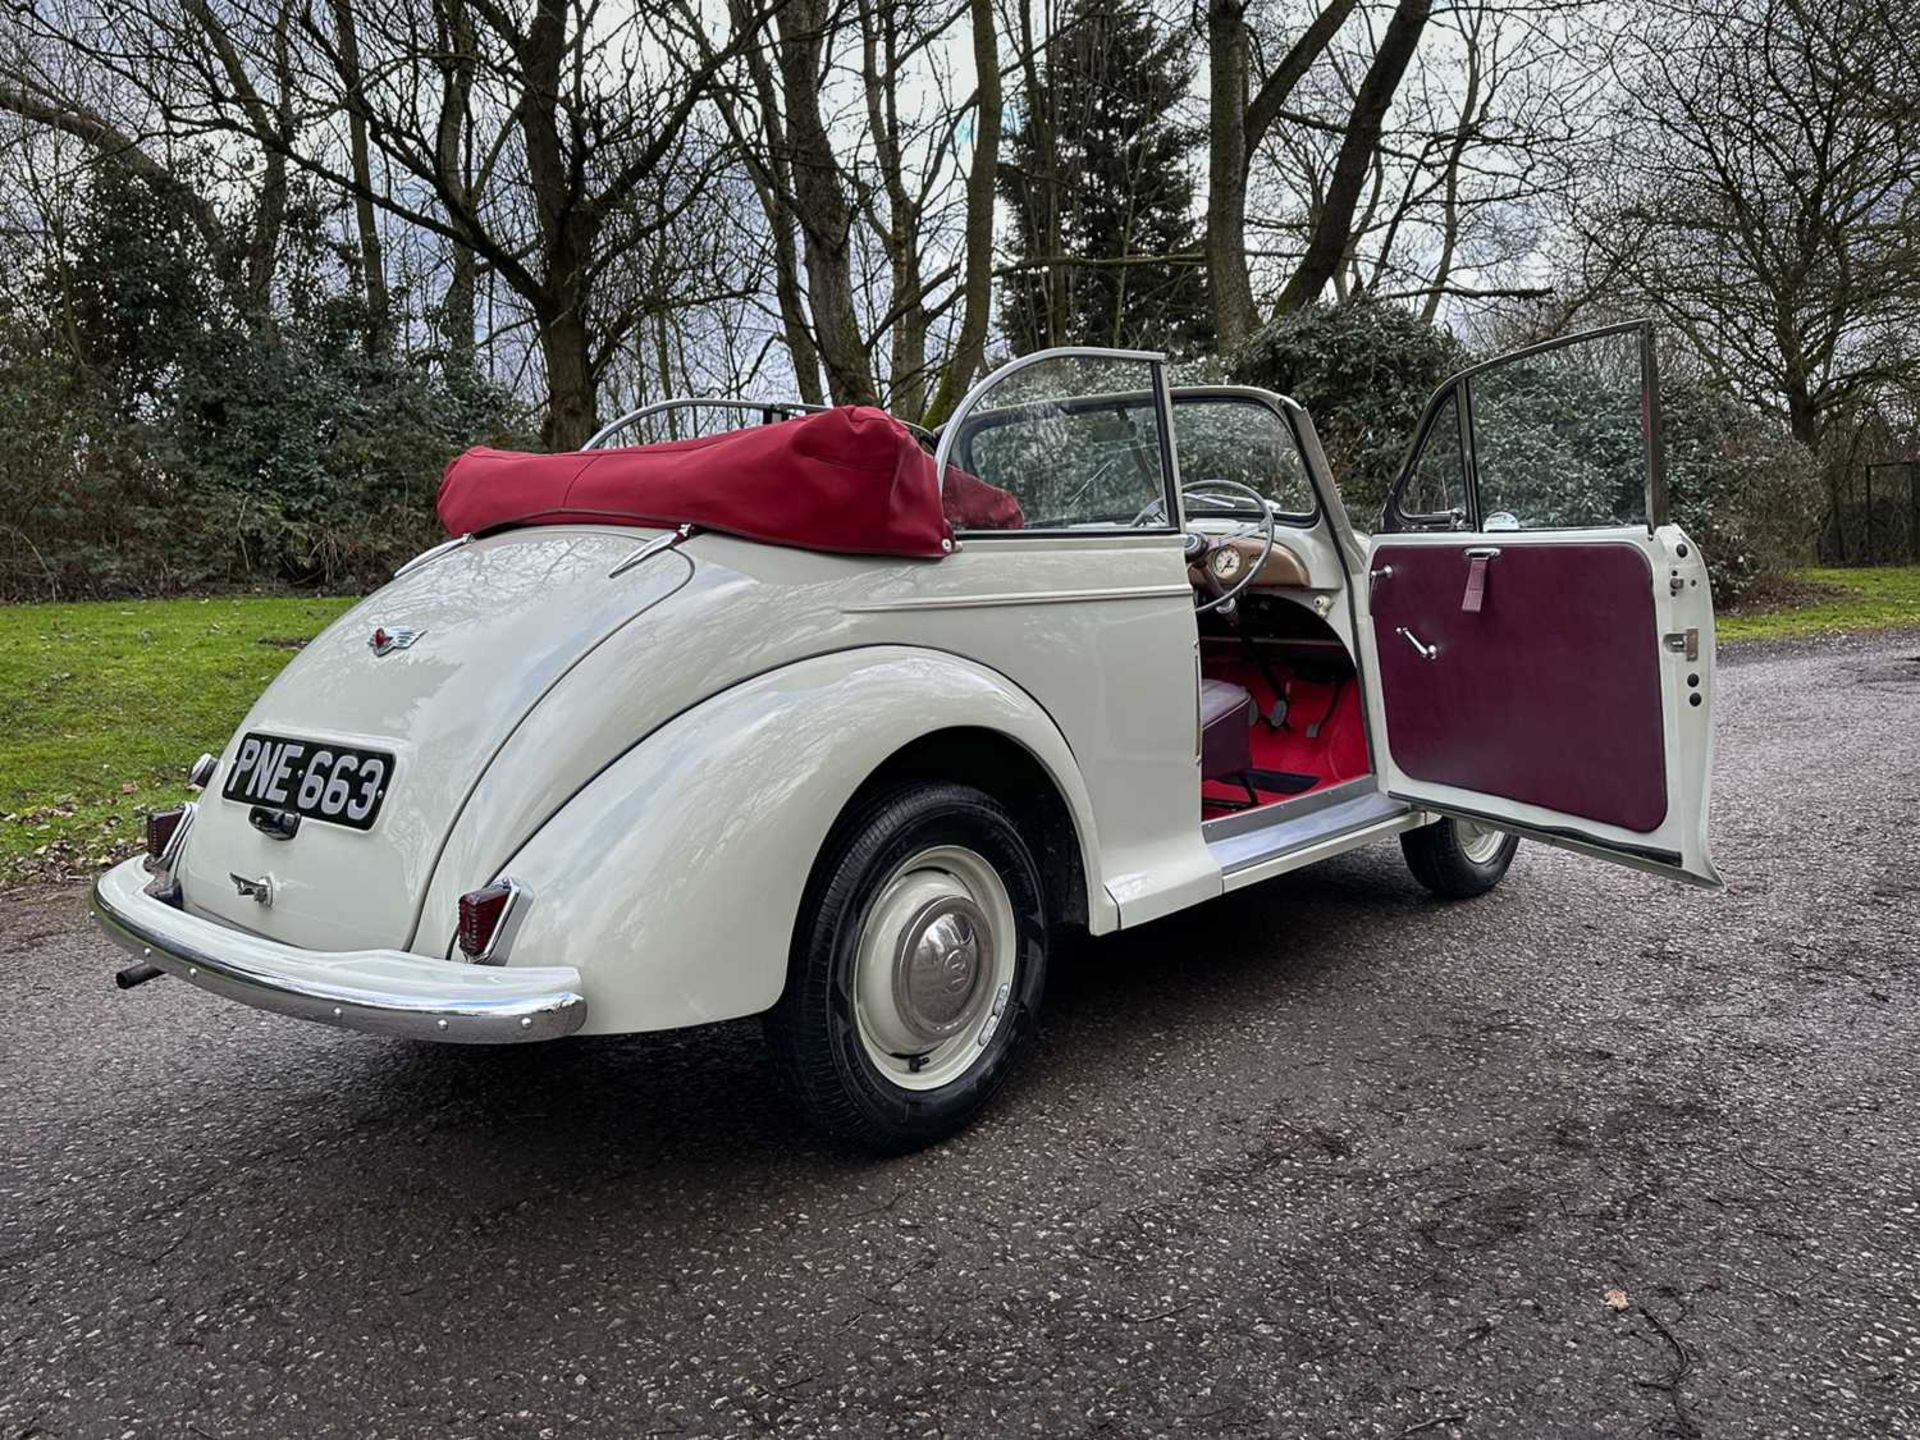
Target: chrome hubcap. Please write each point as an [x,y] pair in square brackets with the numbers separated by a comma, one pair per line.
[938,972]
[933,970]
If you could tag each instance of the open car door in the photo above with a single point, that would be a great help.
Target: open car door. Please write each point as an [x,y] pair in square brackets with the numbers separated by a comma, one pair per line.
[1542,638]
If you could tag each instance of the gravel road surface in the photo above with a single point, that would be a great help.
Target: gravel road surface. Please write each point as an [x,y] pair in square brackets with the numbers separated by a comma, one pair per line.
[1327,1158]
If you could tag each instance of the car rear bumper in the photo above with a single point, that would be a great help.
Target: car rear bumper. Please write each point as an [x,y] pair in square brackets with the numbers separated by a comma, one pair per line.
[383,992]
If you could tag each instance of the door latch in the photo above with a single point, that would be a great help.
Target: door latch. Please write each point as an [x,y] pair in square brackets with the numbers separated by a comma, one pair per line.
[1427,652]
[1683,642]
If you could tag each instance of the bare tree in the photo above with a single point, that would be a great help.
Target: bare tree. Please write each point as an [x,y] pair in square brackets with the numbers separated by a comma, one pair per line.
[970,348]
[1764,198]
[818,198]
[582,108]
[821,177]
[373,268]
[1239,119]
[56,82]
[1482,152]
[1333,218]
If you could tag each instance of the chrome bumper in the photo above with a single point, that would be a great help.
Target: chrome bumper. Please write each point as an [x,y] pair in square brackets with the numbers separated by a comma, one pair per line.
[383,992]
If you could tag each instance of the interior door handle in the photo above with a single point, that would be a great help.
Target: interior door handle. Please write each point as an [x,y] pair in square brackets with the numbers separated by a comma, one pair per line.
[1427,652]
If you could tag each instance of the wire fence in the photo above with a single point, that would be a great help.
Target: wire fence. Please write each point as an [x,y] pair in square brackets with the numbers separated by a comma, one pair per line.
[1877,520]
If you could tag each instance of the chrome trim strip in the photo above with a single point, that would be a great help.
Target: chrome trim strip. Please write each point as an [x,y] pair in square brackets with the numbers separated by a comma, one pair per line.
[790,408]
[438,550]
[651,548]
[1253,872]
[381,992]
[1026,597]
[1281,812]
[1255,849]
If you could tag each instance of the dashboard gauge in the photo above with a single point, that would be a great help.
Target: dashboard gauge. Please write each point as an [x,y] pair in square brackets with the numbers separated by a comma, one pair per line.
[1225,564]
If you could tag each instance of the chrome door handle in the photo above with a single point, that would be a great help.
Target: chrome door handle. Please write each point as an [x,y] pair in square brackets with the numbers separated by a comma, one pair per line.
[1484,552]
[1427,652]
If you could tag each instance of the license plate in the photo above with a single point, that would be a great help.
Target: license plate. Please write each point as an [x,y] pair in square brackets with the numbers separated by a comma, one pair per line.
[340,784]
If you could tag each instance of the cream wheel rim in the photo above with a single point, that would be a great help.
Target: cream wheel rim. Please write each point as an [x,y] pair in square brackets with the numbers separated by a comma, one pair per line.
[1479,843]
[934,967]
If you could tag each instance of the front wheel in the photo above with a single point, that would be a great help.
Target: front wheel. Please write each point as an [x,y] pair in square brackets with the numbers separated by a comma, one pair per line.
[916,967]
[1457,859]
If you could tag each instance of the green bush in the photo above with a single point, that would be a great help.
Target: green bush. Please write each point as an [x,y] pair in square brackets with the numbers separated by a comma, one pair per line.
[1364,370]
[1740,485]
[157,440]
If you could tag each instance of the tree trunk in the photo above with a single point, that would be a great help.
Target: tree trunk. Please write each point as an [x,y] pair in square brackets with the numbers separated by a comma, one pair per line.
[772,175]
[789,290]
[458,47]
[1236,126]
[820,204]
[970,348]
[879,56]
[1805,420]
[373,268]
[1463,134]
[1328,241]
[263,244]
[1234,316]
[571,399]
[458,310]
[1043,122]
[568,230]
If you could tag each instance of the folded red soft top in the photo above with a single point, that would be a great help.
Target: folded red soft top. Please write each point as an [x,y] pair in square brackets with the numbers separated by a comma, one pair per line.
[852,480]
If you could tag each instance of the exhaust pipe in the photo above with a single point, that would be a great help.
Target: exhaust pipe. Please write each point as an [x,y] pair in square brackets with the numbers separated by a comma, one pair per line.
[136,975]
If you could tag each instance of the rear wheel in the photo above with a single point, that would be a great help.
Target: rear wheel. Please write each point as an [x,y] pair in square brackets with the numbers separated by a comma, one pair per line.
[1458,859]
[916,967]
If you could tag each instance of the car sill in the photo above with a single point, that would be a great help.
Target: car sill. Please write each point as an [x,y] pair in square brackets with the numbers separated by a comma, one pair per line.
[1261,854]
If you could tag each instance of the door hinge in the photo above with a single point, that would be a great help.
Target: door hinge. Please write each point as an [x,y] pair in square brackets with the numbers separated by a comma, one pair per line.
[1684,642]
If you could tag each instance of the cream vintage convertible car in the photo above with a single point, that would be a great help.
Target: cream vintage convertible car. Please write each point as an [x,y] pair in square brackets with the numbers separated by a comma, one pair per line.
[795,718]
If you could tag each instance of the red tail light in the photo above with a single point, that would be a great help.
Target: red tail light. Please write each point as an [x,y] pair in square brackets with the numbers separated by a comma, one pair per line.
[162,826]
[481,912]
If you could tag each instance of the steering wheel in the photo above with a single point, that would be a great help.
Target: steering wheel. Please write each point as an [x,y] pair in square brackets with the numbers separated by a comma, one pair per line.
[1201,547]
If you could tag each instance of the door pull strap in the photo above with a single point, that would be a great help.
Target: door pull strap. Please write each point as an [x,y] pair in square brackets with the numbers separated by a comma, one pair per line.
[1477,560]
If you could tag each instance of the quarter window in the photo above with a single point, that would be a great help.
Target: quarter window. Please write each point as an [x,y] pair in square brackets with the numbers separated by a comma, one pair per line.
[1435,495]
[1075,440]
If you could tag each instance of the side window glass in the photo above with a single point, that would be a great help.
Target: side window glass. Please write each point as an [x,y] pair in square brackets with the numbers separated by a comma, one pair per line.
[1435,494]
[1242,440]
[1558,439]
[1074,440]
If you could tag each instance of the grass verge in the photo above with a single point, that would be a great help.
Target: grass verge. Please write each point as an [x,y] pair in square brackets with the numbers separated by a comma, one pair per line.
[104,706]
[1823,602]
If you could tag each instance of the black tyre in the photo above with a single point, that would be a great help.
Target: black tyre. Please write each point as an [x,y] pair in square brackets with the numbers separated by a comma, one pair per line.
[916,970]
[1457,859]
